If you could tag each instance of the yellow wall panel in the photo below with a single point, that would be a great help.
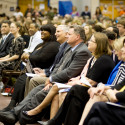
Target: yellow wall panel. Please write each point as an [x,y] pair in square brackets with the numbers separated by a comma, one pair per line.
[23,4]
[111,8]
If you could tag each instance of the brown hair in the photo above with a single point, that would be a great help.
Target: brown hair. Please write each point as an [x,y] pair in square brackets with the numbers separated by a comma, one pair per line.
[122,22]
[88,36]
[102,45]
[79,30]
[18,25]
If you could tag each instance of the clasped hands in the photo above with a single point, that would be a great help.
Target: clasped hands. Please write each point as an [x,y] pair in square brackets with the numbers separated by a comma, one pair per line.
[39,72]
[48,84]
[25,56]
[103,90]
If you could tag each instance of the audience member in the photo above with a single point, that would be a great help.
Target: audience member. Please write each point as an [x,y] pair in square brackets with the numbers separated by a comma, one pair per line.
[111,38]
[50,13]
[86,13]
[97,28]
[55,11]
[25,33]
[121,27]
[88,32]
[29,10]
[35,39]
[36,13]
[6,39]
[115,30]
[16,49]
[109,113]
[46,21]
[98,13]
[74,12]
[18,12]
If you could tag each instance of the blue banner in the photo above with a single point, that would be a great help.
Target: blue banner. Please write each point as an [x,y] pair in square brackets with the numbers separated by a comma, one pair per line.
[65,7]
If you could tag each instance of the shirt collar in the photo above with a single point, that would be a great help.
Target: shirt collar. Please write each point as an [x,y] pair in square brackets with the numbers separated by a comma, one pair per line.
[35,34]
[5,36]
[74,47]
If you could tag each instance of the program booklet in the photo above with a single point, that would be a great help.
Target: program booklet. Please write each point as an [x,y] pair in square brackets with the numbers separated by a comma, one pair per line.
[115,104]
[63,87]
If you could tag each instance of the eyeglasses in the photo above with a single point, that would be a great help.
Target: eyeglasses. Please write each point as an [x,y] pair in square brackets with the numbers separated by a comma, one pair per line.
[92,41]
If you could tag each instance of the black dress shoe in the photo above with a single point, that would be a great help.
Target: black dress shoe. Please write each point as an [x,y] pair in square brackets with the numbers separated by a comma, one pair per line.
[8,117]
[6,109]
[50,122]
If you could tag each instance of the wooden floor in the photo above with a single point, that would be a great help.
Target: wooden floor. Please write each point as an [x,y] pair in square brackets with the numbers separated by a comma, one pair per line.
[4,101]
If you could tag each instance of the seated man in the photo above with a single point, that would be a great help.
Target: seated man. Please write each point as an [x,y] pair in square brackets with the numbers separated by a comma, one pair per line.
[6,39]
[35,39]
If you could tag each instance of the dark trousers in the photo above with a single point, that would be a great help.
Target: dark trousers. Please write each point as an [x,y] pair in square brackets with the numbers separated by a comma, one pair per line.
[71,110]
[33,99]
[104,114]
[19,88]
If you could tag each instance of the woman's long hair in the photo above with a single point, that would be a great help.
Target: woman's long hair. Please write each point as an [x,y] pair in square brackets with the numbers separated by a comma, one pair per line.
[102,45]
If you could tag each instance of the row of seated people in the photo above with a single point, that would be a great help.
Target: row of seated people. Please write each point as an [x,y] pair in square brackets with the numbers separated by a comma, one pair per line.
[99,68]
[13,44]
[72,106]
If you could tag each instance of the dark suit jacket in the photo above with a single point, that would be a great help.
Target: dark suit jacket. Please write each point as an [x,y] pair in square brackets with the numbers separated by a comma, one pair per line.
[73,66]
[57,58]
[5,48]
[86,14]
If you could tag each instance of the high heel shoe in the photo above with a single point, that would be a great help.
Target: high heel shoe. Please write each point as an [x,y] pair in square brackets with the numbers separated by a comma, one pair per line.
[26,114]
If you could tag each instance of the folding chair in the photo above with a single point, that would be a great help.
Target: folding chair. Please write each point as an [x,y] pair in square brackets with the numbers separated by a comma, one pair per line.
[7,76]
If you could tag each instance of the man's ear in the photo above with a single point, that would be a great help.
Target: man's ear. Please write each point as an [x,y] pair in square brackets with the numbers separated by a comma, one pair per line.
[66,34]
[78,37]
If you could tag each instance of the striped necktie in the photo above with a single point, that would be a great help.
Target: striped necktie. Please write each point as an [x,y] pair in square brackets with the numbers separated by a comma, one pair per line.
[2,41]
[66,57]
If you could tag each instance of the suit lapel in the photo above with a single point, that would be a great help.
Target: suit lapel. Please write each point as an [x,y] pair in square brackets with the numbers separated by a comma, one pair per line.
[5,42]
[72,54]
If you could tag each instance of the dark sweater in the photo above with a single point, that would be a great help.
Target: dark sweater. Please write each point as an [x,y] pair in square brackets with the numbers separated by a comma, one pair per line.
[101,69]
[44,56]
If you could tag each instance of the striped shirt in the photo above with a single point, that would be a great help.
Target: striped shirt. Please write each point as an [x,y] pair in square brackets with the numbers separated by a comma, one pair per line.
[120,75]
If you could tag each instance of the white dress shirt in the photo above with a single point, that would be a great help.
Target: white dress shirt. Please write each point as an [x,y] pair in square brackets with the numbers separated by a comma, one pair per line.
[34,41]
